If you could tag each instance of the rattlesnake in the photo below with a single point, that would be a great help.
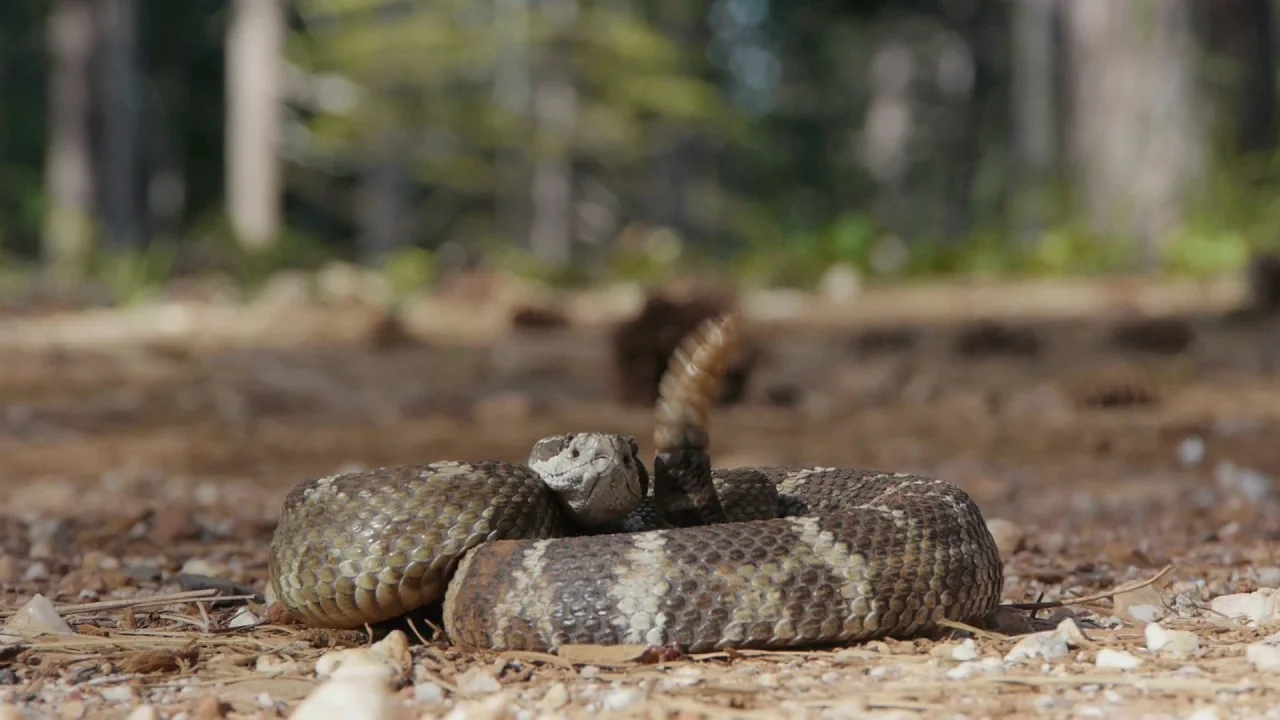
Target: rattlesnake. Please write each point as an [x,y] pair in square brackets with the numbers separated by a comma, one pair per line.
[578,546]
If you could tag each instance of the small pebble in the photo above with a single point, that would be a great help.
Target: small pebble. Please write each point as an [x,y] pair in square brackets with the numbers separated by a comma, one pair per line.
[428,692]
[1047,645]
[144,712]
[1263,655]
[117,693]
[36,571]
[494,707]
[478,681]
[967,650]
[1118,659]
[1268,577]
[1008,536]
[622,698]
[1254,607]
[351,699]
[38,615]
[556,697]
[1174,643]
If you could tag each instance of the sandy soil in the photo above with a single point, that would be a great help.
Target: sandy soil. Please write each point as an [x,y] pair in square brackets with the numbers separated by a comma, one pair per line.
[128,464]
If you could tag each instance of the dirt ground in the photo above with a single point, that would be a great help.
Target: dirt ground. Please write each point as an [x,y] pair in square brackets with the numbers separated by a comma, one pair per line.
[127,464]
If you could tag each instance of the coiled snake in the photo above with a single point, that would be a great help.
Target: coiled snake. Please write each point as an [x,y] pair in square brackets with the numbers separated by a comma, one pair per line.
[578,547]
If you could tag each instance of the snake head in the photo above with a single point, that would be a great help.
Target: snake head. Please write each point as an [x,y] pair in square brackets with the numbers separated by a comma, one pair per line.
[597,476]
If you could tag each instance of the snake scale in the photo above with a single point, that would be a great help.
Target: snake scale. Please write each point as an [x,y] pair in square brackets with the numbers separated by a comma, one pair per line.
[581,546]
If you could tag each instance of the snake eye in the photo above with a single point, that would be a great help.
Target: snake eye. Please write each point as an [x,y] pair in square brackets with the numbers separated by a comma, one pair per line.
[626,460]
[575,453]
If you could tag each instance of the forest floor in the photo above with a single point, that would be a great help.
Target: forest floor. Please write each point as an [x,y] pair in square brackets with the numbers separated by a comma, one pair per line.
[139,445]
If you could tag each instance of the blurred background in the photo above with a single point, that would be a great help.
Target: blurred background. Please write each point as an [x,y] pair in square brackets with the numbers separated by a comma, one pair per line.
[581,141]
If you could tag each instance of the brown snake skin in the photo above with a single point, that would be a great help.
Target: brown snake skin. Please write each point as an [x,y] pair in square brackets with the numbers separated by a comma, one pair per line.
[844,556]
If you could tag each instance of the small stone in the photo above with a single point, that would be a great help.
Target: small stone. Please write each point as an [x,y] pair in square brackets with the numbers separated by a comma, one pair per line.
[1008,536]
[1052,543]
[1174,643]
[1117,659]
[556,697]
[37,616]
[1268,577]
[351,699]
[1048,645]
[478,681]
[355,664]
[494,707]
[144,712]
[622,698]
[394,649]
[967,650]
[1205,713]
[1142,605]
[201,566]
[71,709]
[1191,451]
[244,617]
[1263,655]
[1244,482]
[1254,607]
[36,572]
[428,692]
[117,693]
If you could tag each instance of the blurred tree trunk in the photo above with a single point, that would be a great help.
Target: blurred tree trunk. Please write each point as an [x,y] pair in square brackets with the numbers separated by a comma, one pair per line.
[255,47]
[69,162]
[121,102]
[1138,136]
[1035,111]
[1243,32]
[512,92]
[380,207]
[555,109]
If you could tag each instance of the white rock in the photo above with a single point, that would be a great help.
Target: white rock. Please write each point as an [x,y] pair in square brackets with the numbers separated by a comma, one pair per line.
[1246,482]
[387,660]
[1255,607]
[477,681]
[355,664]
[1191,451]
[1263,655]
[1175,643]
[244,617]
[967,650]
[1048,645]
[394,649]
[622,698]
[495,707]
[37,616]
[1118,659]
[144,712]
[351,699]
[1268,577]
[36,572]
[428,692]
[1205,713]
[117,693]
[199,566]
[1144,612]
[556,697]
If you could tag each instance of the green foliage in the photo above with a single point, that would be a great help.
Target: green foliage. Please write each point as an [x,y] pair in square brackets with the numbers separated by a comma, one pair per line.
[133,275]
[408,271]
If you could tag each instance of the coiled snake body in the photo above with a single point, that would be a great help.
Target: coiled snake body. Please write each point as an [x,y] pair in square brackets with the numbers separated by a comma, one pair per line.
[576,547]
